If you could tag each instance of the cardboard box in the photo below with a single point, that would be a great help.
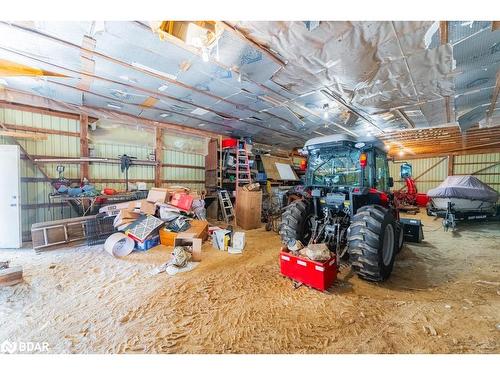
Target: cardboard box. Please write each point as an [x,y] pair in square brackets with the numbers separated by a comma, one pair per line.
[238,241]
[160,195]
[148,208]
[182,200]
[148,243]
[167,237]
[187,239]
[248,209]
[199,228]
[220,239]
[142,206]
[125,216]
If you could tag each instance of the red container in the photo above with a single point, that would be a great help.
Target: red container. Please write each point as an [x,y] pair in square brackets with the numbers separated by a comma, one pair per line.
[422,199]
[318,275]
[229,143]
[182,201]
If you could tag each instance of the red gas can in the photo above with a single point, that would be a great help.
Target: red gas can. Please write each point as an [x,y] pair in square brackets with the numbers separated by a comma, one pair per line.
[318,275]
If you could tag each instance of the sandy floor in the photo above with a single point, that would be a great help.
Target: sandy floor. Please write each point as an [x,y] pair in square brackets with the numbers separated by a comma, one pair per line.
[443,297]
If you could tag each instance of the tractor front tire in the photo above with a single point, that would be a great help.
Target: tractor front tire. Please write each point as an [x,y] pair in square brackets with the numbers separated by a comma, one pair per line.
[294,224]
[373,242]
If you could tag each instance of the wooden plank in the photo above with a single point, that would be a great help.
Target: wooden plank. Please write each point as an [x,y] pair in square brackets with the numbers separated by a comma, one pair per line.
[168,165]
[11,275]
[158,156]
[443,141]
[495,25]
[24,135]
[84,146]
[442,154]
[175,182]
[118,180]
[41,130]
[43,111]
[451,163]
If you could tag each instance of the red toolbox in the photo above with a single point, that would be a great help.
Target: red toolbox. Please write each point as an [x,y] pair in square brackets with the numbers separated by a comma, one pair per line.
[318,275]
[229,143]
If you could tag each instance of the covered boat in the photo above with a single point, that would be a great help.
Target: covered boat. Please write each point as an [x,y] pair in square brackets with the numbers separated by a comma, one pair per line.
[466,193]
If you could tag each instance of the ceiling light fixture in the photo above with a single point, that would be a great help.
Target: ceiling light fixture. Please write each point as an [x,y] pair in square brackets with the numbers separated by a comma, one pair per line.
[3,82]
[325,113]
[162,88]
[154,71]
[165,115]
[401,152]
[115,106]
[239,77]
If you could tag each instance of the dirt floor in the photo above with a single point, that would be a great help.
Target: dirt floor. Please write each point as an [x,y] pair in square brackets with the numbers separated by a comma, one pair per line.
[443,297]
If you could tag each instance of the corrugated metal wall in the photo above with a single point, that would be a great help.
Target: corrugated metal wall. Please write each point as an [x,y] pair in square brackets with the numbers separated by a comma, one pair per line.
[486,167]
[183,175]
[463,164]
[35,190]
[100,171]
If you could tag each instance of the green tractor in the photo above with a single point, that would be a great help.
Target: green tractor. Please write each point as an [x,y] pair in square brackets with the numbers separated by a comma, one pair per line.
[346,203]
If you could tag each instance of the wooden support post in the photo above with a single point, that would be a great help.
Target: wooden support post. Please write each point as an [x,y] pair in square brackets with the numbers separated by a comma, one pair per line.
[84,146]
[220,162]
[451,164]
[443,29]
[158,157]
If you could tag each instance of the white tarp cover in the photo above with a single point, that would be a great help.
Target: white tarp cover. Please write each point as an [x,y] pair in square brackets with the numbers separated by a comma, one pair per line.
[465,187]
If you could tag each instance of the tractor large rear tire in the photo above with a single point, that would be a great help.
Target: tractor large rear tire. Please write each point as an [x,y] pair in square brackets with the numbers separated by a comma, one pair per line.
[372,243]
[294,222]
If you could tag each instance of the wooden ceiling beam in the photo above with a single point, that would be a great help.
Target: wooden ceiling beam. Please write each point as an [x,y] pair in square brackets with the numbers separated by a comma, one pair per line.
[494,98]
[43,111]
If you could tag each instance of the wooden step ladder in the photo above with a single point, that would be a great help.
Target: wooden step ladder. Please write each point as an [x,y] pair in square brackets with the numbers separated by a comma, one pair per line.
[243,174]
[226,206]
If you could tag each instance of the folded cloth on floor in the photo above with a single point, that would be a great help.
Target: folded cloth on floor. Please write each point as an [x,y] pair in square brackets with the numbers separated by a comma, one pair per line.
[181,257]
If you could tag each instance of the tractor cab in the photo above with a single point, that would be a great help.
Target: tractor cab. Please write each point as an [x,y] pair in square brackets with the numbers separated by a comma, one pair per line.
[339,162]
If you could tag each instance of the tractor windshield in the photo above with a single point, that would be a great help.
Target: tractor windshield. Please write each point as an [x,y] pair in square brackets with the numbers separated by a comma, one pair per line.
[337,166]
